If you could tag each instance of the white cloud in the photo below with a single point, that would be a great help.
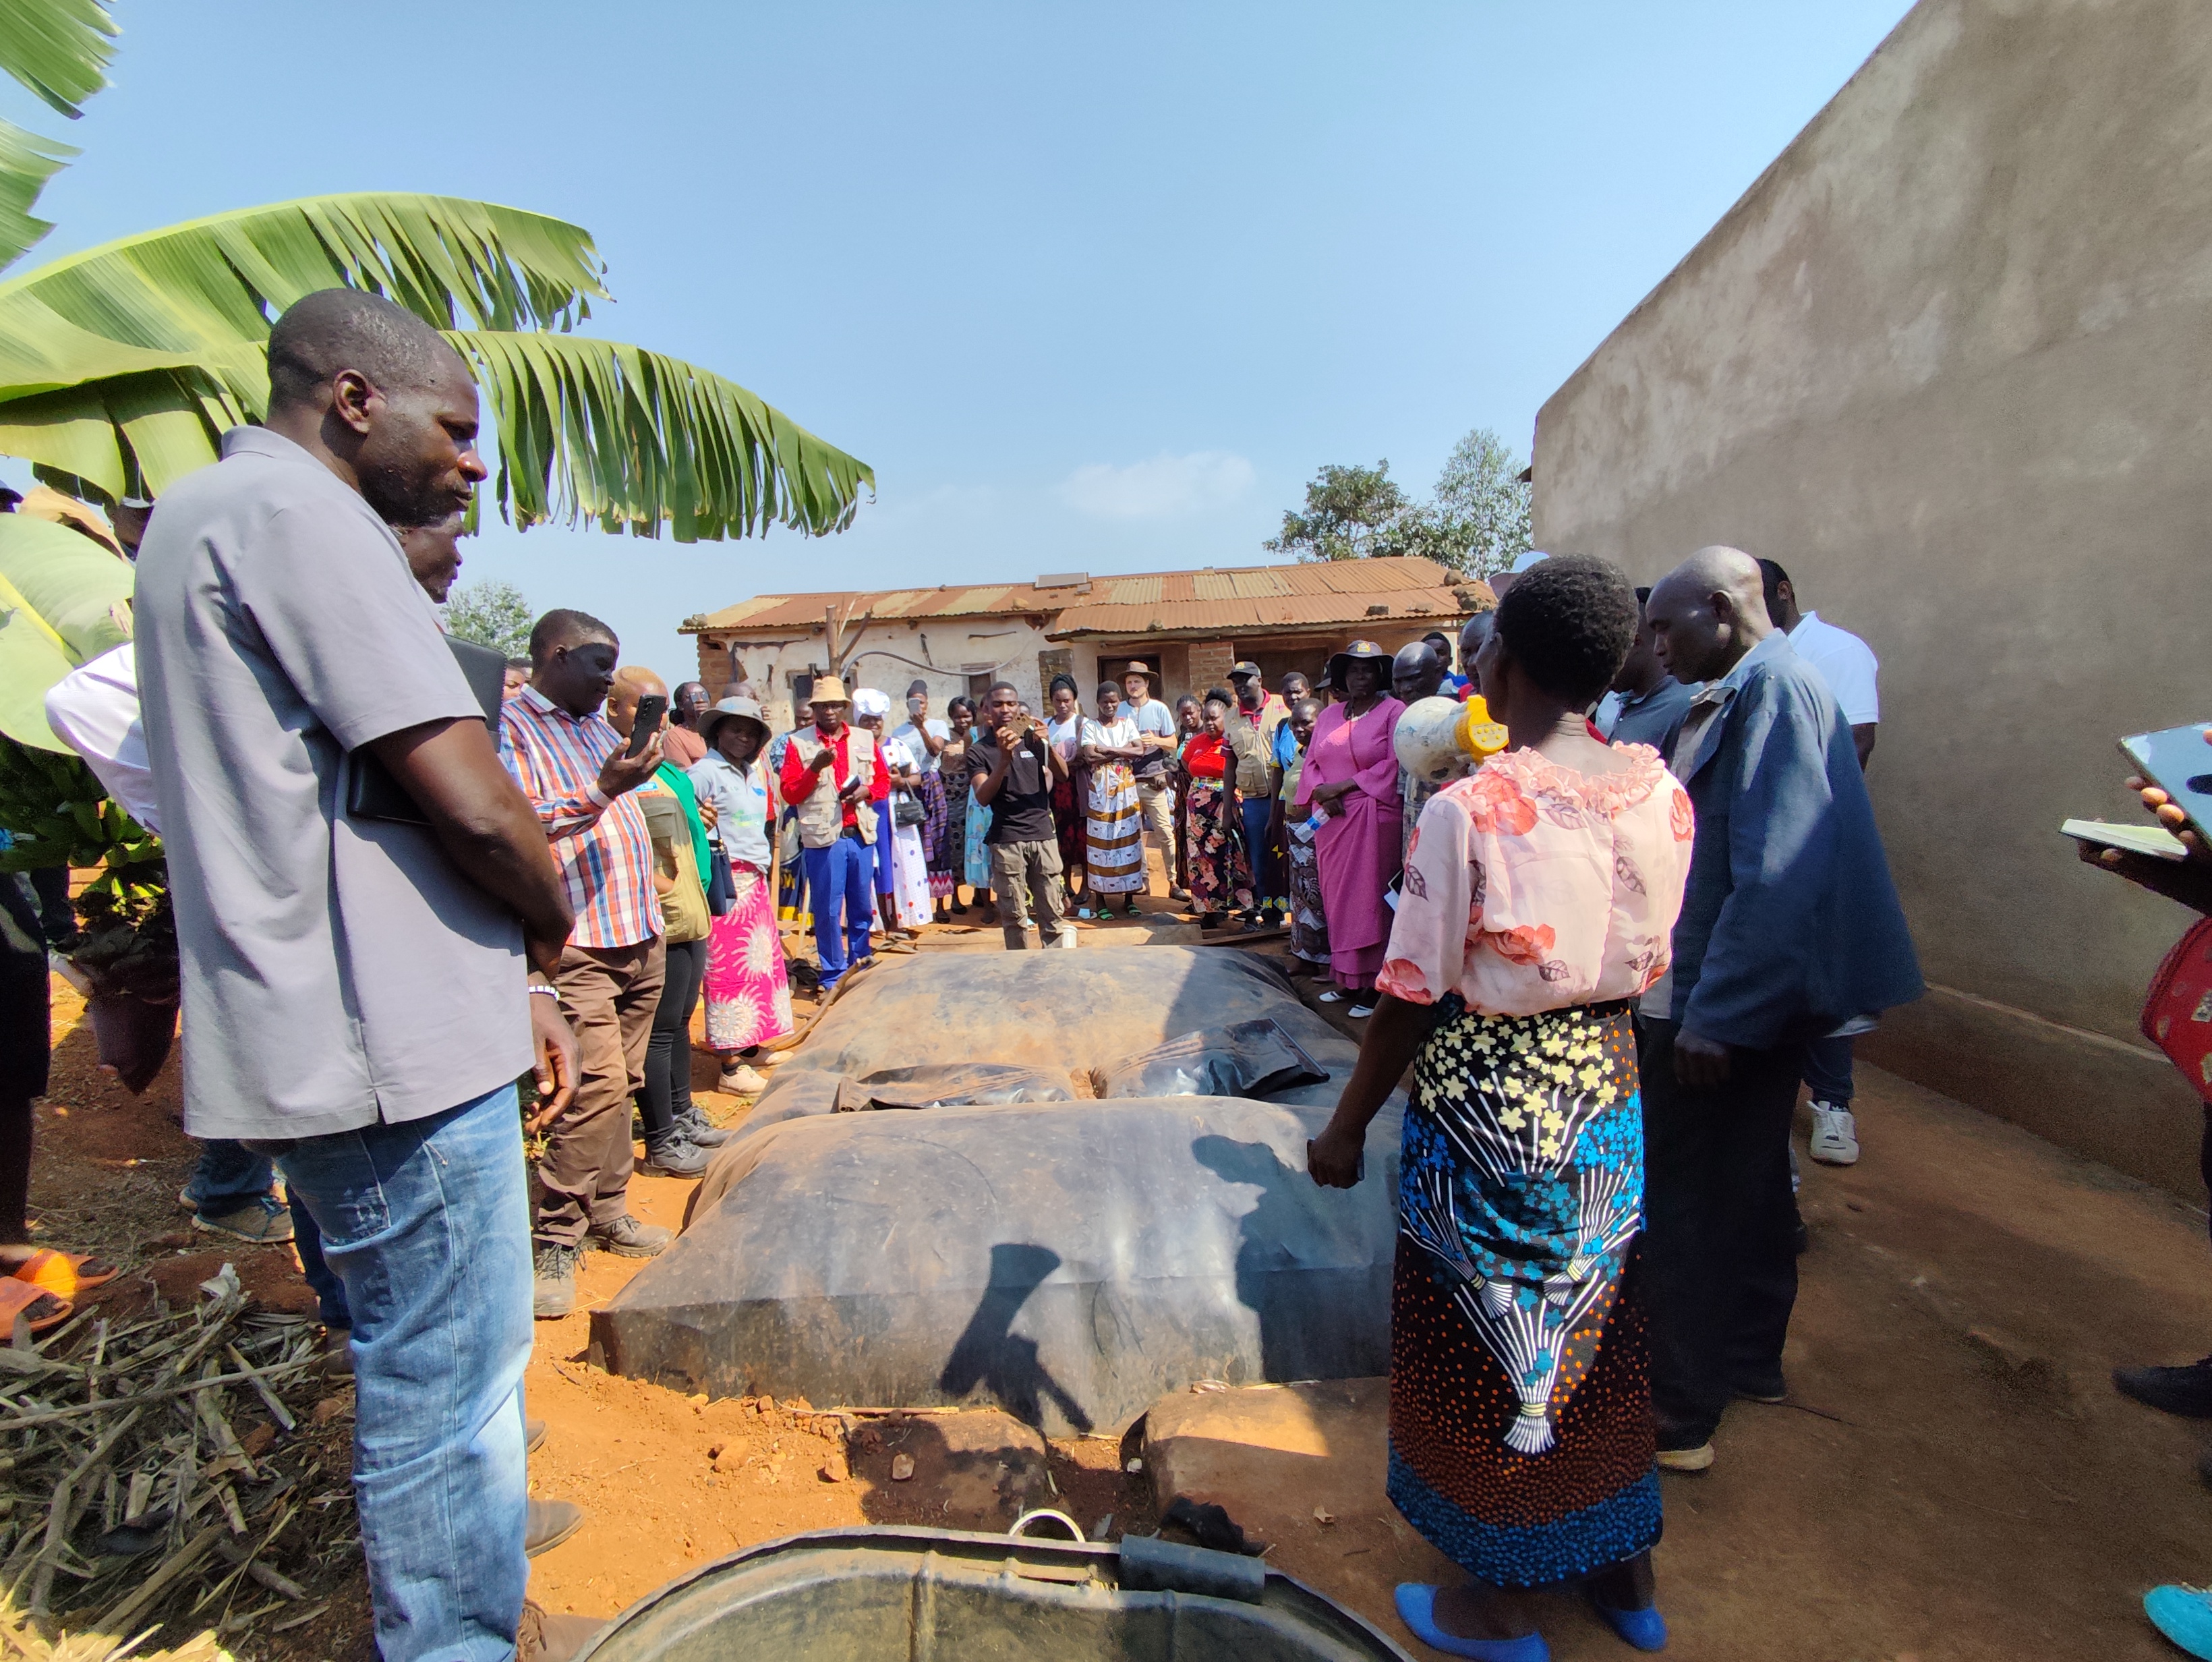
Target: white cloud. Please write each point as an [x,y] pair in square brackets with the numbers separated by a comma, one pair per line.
[1162,488]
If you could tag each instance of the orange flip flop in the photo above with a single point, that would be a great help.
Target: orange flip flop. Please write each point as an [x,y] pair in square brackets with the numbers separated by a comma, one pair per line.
[64,1275]
[34,1304]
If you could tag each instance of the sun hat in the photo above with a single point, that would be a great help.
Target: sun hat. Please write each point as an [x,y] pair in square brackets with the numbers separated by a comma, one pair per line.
[1357,652]
[1135,668]
[739,710]
[829,690]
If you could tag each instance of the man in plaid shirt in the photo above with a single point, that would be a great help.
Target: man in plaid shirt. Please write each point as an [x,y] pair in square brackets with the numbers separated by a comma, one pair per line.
[571,763]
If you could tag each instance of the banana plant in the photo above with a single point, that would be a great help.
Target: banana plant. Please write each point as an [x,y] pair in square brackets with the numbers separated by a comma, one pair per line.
[64,601]
[121,367]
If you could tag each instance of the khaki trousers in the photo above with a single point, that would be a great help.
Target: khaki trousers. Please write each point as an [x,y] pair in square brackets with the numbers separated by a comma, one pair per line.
[1023,874]
[1156,802]
[610,995]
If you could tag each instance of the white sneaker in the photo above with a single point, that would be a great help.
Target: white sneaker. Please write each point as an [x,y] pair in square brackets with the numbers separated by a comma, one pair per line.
[1835,1140]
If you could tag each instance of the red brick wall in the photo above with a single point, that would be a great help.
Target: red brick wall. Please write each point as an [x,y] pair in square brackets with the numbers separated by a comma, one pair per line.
[1209,664]
[714,665]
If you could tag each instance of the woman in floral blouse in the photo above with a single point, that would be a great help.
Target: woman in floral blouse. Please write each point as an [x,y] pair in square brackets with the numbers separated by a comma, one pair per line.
[1540,894]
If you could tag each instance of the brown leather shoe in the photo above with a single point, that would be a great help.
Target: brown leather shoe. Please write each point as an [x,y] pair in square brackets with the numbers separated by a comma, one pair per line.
[548,1524]
[545,1637]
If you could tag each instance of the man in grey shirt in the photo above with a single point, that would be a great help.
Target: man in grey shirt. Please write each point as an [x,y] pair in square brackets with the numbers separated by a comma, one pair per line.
[354,990]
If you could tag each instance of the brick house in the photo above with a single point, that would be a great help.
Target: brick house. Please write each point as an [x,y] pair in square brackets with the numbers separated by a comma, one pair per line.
[1190,625]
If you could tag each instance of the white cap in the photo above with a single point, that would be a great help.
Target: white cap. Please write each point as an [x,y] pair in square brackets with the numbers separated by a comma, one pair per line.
[1529,561]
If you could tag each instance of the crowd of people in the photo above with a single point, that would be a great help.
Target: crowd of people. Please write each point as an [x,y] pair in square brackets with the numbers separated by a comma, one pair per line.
[1609,956]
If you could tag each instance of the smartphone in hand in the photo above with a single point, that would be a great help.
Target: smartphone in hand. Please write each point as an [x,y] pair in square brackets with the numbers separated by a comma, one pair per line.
[650,709]
[2178,761]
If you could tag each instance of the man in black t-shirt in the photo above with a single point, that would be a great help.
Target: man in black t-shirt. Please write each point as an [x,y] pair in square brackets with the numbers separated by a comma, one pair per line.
[1017,770]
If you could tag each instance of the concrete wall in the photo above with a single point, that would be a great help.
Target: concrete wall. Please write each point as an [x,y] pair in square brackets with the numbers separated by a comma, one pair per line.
[889,656]
[1950,361]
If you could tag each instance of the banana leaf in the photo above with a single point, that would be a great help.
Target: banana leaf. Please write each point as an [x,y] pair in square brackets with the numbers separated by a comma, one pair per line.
[63,598]
[119,367]
[596,429]
[60,50]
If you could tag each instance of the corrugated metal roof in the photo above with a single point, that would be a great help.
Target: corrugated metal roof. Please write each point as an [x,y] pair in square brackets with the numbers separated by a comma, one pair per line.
[1212,602]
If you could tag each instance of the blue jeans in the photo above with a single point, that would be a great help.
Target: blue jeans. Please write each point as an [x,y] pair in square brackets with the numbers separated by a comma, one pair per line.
[329,1291]
[229,1177]
[1266,870]
[428,1226]
[1828,1070]
[841,881]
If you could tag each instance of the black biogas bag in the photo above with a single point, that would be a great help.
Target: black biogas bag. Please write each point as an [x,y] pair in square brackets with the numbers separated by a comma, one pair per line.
[1249,1059]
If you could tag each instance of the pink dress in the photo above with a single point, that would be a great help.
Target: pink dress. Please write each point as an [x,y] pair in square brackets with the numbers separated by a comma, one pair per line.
[1357,846]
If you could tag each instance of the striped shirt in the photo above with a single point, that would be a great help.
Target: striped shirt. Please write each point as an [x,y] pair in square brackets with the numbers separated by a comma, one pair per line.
[602,847]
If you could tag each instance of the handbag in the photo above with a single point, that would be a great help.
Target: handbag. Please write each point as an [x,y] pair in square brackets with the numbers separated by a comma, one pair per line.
[2176,1013]
[721,885]
[907,810]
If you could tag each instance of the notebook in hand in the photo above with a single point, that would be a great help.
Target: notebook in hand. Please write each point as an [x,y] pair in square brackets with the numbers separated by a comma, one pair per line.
[371,791]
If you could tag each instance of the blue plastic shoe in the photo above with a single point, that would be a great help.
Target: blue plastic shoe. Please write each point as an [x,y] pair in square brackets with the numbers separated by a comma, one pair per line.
[2182,1614]
[1646,1628]
[1416,1609]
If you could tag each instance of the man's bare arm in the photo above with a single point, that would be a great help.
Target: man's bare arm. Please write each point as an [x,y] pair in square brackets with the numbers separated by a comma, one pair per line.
[453,771]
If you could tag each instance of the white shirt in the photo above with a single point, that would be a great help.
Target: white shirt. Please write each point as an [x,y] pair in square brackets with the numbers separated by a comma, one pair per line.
[95,709]
[1846,663]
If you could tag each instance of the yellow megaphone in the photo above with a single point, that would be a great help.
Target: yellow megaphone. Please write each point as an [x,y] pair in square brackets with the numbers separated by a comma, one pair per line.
[1475,733]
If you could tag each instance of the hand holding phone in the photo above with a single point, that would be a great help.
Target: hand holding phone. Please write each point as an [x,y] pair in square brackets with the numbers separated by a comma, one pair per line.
[2175,765]
[652,710]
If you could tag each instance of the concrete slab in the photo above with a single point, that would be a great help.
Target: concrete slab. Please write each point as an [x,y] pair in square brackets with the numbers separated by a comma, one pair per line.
[977,1470]
[1139,932]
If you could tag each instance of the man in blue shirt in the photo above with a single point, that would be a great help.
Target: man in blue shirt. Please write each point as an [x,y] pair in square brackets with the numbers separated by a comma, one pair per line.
[1789,926]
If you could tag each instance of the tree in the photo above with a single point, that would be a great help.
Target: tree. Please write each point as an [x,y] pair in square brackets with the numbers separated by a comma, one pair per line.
[1350,513]
[1481,510]
[494,614]
[1476,523]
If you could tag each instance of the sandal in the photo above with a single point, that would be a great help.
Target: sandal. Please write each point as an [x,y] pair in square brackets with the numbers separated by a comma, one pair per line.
[34,1306]
[1130,910]
[64,1275]
[1084,913]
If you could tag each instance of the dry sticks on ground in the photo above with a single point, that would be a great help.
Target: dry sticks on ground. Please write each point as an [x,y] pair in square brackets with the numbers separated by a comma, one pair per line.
[171,1469]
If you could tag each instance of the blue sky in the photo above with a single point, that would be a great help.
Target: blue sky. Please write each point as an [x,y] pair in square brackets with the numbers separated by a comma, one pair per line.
[1091,287]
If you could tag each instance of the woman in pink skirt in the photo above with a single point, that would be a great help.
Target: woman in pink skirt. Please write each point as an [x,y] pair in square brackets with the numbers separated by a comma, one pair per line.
[748,996]
[1351,784]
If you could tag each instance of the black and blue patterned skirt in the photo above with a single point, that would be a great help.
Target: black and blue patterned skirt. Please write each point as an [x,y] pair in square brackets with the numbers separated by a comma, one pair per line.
[1521,1435]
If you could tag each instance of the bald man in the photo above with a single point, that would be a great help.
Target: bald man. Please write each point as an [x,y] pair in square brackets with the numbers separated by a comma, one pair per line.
[578,771]
[1789,926]
[355,998]
[1416,672]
